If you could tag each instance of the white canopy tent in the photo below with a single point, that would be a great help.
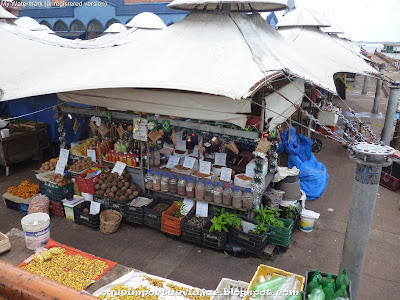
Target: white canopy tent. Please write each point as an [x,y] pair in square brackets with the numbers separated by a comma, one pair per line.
[115,28]
[146,20]
[235,5]
[6,15]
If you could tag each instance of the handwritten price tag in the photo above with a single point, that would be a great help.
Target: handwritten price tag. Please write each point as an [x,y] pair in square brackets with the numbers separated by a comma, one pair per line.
[196,151]
[220,159]
[91,154]
[94,208]
[205,167]
[173,161]
[250,170]
[188,205]
[226,174]
[64,153]
[119,168]
[189,162]
[60,167]
[202,209]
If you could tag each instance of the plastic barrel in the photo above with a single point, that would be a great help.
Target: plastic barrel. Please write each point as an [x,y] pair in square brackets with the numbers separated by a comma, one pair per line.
[37,230]
[306,224]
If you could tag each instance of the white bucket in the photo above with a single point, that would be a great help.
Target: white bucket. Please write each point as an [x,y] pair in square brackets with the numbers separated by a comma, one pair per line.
[306,224]
[37,230]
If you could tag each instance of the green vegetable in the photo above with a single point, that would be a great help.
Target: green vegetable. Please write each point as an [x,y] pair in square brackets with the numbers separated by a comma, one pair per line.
[268,216]
[272,285]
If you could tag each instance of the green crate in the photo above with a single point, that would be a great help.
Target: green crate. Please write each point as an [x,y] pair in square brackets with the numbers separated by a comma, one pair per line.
[281,236]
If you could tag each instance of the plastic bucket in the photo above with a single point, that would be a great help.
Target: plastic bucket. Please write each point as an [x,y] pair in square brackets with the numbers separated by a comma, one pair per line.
[306,224]
[37,230]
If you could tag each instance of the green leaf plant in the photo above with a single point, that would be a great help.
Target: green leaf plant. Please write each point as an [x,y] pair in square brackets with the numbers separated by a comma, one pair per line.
[269,216]
[222,220]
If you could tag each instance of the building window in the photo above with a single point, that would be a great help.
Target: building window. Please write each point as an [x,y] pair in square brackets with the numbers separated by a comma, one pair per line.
[95,29]
[60,26]
[110,22]
[77,26]
[45,23]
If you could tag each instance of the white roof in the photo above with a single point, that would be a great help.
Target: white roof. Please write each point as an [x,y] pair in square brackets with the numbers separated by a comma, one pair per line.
[146,20]
[4,14]
[334,28]
[304,17]
[115,28]
[236,5]
[344,36]
[28,23]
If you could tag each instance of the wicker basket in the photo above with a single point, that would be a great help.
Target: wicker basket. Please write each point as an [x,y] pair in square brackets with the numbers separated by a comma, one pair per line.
[109,221]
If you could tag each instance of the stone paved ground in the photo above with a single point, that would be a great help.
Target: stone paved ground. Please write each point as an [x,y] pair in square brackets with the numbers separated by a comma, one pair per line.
[145,249]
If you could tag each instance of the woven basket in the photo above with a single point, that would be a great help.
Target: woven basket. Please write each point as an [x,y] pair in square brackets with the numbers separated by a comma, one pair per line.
[4,243]
[109,221]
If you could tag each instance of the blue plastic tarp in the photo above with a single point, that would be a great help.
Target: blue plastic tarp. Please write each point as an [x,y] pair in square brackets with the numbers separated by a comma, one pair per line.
[313,175]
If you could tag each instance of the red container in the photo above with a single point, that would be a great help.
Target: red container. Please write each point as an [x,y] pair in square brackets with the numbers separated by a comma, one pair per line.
[86,185]
[390,182]
[323,131]
[57,209]
[170,224]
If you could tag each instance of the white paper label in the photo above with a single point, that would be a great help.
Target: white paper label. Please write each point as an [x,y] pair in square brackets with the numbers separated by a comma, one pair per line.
[189,188]
[119,168]
[141,134]
[64,153]
[250,170]
[189,162]
[220,159]
[205,167]
[226,174]
[188,205]
[60,167]
[195,151]
[248,226]
[91,154]
[180,144]
[173,161]
[94,208]
[202,209]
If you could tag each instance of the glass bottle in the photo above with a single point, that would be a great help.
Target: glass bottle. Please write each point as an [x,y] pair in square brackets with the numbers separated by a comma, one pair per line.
[237,197]
[157,181]
[217,195]
[248,200]
[209,192]
[227,196]
[165,183]
[182,186]
[173,184]
[190,186]
[200,189]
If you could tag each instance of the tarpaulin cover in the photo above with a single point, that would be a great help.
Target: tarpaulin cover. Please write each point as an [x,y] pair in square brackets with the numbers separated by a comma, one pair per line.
[313,174]
[73,251]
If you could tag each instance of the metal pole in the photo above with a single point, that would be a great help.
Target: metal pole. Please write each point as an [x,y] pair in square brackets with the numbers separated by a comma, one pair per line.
[365,86]
[262,117]
[391,113]
[379,82]
[362,206]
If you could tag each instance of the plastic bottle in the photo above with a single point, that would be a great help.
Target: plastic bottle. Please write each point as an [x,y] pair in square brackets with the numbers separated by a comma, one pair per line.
[237,198]
[342,292]
[312,285]
[209,192]
[248,200]
[182,186]
[165,183]
[200,190]
[295,297]
[342,279]
[272,284]
[150,157]
[173,184]
[190,186]
[329,292]
[328,280]
[227,196]
[148,180]
[318,275]
[157,181]
[157,157]
[217,193]
[317,294]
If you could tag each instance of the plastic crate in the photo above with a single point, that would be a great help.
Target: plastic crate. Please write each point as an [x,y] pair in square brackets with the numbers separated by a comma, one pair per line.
[11,204]
[169,223]
[23,208]
[102,200]
[69,209]
[281,236]
[215,240]
[134,214]
[151,217]
[227,284]
[57,209]
[388,181]
[86,185]
[251,243]
[57,194]
[263,270]
[310,274]
[119,206]
[192,233]
[91,221]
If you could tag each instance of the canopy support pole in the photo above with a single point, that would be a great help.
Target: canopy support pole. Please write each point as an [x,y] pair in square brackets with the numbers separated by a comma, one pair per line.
[365,86]
[379,82]
[388,127]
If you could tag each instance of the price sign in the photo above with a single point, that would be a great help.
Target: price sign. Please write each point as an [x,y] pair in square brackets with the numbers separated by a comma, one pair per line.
[202,209]
[60,167]
[119,168]
[91,154]
[196,151]
[248,226]
[189,162]
[205,167]
[173,161]
[226,174]
[141,133]
[188,205]
[181,144]
[94,208]
[220,159]
[250,170]
[64,153]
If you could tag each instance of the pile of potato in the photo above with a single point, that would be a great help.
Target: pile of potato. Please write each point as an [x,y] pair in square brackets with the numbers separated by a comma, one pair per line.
[59,180]
[81,165]
[117,187]
[49,165]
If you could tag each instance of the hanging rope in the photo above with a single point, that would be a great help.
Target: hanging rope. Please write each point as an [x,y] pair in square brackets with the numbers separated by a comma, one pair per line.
[31,113]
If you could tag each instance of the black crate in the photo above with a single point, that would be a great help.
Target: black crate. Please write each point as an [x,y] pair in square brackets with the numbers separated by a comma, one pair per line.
[296,219]
[191,233]
[134,214]
[119,206]
[91,225]
[310,274]
[11,204]
[57,194]
[251,243]
[151,217]
[215,240]
[102,200]
[92,221]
